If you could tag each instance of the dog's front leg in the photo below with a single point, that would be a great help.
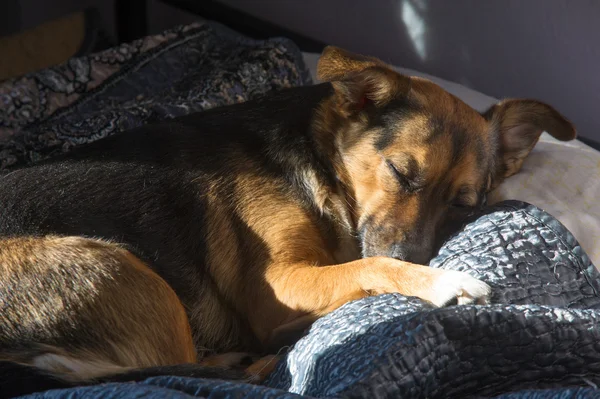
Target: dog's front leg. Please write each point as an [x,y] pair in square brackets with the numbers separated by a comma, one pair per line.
[309,292]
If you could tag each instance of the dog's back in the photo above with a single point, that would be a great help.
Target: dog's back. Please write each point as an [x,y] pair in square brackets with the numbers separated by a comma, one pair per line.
[150,189]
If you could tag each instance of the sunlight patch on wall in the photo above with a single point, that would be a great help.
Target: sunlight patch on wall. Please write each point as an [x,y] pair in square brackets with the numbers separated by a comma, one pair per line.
[415,25]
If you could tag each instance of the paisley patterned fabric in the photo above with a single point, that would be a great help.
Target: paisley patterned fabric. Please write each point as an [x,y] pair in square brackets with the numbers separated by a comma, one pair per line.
[186,69]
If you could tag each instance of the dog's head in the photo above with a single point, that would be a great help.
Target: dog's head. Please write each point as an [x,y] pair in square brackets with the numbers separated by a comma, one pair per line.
[412,158]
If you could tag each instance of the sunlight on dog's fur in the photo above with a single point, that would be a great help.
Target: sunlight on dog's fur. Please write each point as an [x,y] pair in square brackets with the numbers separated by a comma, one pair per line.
[233,229]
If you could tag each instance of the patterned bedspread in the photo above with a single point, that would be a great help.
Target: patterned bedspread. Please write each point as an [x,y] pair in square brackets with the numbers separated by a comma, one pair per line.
[187,69]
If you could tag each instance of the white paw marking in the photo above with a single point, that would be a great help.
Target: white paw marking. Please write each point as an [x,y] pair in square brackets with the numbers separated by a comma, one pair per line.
[466,289]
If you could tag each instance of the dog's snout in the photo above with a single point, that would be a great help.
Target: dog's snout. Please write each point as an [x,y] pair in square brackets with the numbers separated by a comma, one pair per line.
[398,252]
[411,253]
[414,248]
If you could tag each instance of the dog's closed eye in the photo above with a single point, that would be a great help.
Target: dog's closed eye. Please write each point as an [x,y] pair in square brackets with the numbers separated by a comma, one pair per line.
[466,198]
[408,178]
[404,181]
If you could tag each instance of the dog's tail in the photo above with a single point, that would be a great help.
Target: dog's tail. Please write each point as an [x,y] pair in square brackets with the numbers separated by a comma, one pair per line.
[61,371]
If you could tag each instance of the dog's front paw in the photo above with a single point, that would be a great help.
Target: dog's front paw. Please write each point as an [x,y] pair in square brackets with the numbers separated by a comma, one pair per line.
[453,285]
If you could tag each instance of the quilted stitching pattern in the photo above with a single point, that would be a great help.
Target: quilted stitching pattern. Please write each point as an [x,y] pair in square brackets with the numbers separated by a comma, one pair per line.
[541,331]
[526,255]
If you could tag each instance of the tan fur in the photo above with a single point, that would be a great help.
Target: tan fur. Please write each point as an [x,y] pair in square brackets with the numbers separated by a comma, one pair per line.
[111,295]
[521,123]
[336,63]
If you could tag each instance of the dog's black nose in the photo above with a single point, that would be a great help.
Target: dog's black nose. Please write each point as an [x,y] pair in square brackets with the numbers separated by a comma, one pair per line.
[411,253]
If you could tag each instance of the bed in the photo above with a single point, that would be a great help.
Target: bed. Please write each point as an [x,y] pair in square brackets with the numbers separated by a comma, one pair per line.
[537,339]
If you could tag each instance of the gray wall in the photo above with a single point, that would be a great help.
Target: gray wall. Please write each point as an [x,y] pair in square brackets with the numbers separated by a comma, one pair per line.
[547,49]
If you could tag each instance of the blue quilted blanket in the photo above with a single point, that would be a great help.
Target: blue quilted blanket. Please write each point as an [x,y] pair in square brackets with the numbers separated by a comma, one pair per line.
[539,338]
[541,330]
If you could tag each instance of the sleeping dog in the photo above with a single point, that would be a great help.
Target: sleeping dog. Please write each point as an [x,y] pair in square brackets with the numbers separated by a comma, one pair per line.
[226,232]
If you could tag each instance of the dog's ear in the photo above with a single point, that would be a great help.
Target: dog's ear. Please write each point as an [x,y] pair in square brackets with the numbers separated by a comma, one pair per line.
[518,125]
[336,63]
[359,80]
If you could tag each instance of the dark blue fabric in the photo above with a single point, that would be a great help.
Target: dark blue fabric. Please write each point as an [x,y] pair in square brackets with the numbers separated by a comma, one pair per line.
[567,393]
[541,330]
[168,387]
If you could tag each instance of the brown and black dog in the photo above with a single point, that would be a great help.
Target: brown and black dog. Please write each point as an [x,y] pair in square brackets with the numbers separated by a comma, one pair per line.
[228,230]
